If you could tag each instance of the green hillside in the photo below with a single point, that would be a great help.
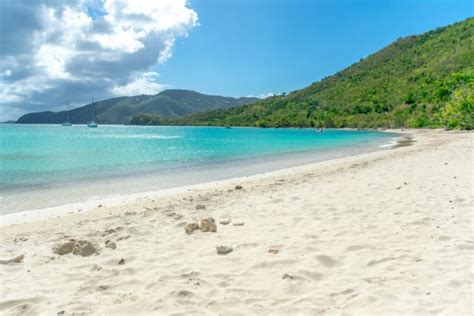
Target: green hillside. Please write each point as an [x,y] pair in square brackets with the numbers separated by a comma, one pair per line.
[418,81]
[167,104]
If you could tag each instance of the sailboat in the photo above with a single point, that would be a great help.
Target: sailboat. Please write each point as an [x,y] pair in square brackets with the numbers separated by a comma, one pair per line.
[68,122]
[93,123]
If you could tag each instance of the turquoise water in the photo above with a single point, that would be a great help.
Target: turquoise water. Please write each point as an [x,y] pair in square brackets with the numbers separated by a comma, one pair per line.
[47,165]
[33,155]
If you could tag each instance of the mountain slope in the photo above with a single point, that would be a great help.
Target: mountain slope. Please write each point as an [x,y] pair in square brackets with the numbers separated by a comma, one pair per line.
[423,80]
[168,104]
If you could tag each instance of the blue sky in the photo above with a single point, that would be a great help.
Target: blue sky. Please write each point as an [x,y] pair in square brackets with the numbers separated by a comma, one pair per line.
[244,47]
[58,54]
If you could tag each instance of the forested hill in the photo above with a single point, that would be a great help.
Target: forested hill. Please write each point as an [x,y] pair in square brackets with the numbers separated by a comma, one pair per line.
[168,104]
[418,81]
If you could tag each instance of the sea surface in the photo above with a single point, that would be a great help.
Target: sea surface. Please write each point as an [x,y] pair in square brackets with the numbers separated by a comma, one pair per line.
[48,165]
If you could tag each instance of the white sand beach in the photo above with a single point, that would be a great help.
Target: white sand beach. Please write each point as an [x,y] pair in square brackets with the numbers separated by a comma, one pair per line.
[380,233]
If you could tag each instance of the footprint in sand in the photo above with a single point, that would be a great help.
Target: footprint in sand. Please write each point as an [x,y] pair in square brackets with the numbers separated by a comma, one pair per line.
[444,238]
[359,247]
[375,262]
[273,264]
[326,261]
[347,292]
[297,220]
[466,246]
[20,306]
[313,275]
[454,283]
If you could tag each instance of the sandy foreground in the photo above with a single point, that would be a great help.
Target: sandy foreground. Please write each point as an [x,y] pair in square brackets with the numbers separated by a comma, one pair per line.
[388,232]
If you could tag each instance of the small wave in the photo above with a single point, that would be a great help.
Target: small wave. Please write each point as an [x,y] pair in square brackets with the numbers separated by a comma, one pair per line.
[392,143]
[143,136]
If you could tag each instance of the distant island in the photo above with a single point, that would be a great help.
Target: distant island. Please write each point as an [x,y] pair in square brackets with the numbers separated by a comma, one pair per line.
[418,81]
[167,104]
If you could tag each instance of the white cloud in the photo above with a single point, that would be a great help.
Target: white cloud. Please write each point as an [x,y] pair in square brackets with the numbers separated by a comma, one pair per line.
[60,52]
[52,59]
[143,83]
[265,95]
[7,73]
[262,95]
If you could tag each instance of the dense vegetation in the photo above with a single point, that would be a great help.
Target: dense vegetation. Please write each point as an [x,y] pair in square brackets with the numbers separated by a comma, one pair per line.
[147,119]
[168,104]
[418,81]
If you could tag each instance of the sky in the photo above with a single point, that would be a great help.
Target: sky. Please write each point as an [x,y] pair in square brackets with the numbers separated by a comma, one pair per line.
[58,54]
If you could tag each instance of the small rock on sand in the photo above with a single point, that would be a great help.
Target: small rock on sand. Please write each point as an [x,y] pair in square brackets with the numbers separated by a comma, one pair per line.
[200,207]
[225,221]
[82,248]
[189,228]
[287,276]
[110,244]
[238,224]
[273,251]
[208,225]
[238,187]
[121,261]
[63,248]
[223,250]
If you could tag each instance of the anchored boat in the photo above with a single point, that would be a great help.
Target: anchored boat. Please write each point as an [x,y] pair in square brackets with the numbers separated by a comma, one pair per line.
[93,123]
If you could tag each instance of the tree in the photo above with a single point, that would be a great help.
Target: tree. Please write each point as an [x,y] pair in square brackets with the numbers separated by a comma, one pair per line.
[459,111]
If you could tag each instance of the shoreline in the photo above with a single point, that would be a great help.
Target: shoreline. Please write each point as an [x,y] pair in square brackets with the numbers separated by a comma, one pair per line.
[384,232]
[117,188]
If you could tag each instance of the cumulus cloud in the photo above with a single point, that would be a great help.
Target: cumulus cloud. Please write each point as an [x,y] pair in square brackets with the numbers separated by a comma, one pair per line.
[262,95]
[143,83]
[55,53]
[265,95]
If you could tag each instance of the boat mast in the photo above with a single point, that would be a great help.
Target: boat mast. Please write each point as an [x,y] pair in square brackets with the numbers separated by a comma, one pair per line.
[95,111]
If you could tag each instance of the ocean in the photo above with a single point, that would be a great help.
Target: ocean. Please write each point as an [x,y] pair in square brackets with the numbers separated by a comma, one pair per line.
[40,163]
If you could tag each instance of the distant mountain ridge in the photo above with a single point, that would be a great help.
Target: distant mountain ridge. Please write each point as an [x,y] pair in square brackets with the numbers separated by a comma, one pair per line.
[172,103]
